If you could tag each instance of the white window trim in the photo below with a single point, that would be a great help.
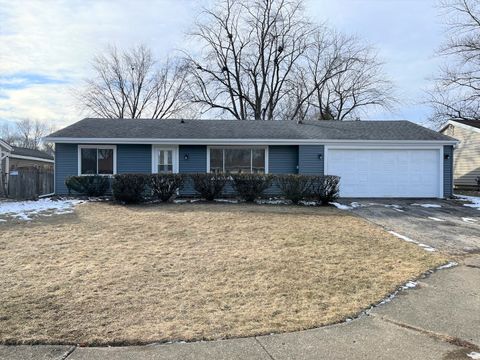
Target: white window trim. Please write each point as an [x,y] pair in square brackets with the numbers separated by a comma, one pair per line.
[239,147]
[113,147]
[175,157]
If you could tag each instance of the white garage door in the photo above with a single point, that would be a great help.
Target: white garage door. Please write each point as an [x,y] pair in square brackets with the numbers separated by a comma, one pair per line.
[386,172]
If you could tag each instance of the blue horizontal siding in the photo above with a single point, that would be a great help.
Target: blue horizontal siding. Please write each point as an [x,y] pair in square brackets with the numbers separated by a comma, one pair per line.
[283,159]
[309,162]
[134,159]
[196,163]
[448,171]
[66,164]
[130,159]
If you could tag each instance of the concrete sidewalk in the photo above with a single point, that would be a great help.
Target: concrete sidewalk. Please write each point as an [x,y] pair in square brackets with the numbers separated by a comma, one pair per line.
[440,319]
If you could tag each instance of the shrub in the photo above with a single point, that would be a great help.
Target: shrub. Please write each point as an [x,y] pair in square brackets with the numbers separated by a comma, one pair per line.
[209,185]
[294,187]
[88,185]
[251,186]
[325,189]
[129,188]
[164,186]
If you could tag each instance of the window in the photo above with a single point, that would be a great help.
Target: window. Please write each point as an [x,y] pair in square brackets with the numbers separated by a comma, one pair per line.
[165,161]
[97,160]
[238,160]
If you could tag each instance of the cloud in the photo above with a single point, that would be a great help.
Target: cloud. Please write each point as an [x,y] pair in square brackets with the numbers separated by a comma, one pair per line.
[46,46]
[23,80]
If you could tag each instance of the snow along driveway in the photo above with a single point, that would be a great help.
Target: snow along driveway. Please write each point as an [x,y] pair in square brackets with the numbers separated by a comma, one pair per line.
[449,225]
[26,210]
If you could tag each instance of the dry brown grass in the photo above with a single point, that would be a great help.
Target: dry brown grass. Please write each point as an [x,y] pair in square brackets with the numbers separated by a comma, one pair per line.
[122,275]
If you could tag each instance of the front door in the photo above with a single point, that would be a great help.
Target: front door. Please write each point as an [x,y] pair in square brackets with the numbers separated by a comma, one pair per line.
[165,160]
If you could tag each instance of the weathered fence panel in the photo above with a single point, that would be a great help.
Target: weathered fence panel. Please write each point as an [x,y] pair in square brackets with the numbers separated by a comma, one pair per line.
[30,183]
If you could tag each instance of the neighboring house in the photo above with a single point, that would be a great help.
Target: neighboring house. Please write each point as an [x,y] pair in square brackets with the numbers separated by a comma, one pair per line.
[373,158]
[467,153]
[14,158]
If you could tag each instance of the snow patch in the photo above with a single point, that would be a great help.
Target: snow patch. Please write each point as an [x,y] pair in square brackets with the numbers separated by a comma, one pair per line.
[410,285]
[469,220]
[394,206]
[308,203]
[407,239]
[447,266]
[185,201]
[474,201]
[403,237]
[435,219]
[352,205]
[227,201]
[273,202]
[23,210]
[341,206]
[474,355]
[428,205]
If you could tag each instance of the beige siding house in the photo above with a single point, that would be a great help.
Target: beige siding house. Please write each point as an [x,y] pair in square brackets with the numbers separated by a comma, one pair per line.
[467,154]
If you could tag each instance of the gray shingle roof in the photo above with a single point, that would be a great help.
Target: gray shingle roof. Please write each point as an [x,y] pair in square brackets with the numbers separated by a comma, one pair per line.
[31,153]
[237,129]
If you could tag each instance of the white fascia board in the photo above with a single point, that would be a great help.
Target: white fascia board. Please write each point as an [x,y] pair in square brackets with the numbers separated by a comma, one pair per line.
[462,126]
[12,156]
[239,141]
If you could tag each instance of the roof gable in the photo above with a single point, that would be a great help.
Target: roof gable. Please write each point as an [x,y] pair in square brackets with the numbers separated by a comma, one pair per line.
[471,125]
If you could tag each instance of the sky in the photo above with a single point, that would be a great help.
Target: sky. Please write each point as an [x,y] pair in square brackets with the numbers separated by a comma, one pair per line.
[46,46]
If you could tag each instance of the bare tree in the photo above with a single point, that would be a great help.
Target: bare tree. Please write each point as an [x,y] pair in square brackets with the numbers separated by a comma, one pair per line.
[456,91]
[131,84]
[345,78]
[251,48]
[263,59]
[27,133]
[9,134]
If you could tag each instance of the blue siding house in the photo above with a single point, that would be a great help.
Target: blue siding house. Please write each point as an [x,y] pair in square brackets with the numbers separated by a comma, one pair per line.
[372,158]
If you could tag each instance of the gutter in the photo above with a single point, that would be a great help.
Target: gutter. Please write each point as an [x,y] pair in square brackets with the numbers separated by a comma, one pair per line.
[72,140]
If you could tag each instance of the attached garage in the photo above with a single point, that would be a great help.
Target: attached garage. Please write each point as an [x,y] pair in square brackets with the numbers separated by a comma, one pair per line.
[387,172]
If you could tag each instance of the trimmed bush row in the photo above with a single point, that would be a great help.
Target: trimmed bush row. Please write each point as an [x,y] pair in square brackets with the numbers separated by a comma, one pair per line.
[135,188]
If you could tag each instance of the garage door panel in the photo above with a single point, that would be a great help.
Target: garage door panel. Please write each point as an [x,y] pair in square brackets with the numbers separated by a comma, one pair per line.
[386,172]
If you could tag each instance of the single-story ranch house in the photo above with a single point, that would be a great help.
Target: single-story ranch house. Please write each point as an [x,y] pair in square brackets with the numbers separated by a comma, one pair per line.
[373,158]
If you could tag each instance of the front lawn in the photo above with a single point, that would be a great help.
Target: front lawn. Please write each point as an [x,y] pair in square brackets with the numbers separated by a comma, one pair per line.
[109,274]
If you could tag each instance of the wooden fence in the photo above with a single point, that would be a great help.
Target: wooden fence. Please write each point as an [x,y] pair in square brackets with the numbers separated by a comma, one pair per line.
[30,183]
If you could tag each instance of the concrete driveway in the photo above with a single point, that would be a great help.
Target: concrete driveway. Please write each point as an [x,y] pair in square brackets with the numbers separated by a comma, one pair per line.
[446,225]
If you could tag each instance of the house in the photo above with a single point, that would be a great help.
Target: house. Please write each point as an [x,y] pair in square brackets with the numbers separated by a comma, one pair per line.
[373,158]
[466,171]
[14,158]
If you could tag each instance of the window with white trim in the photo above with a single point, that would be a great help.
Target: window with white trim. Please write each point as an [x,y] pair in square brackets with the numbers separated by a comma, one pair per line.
[97,160]
[236,160]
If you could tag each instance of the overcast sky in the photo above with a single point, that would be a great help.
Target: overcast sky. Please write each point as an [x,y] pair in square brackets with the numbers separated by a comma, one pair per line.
[46,46]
